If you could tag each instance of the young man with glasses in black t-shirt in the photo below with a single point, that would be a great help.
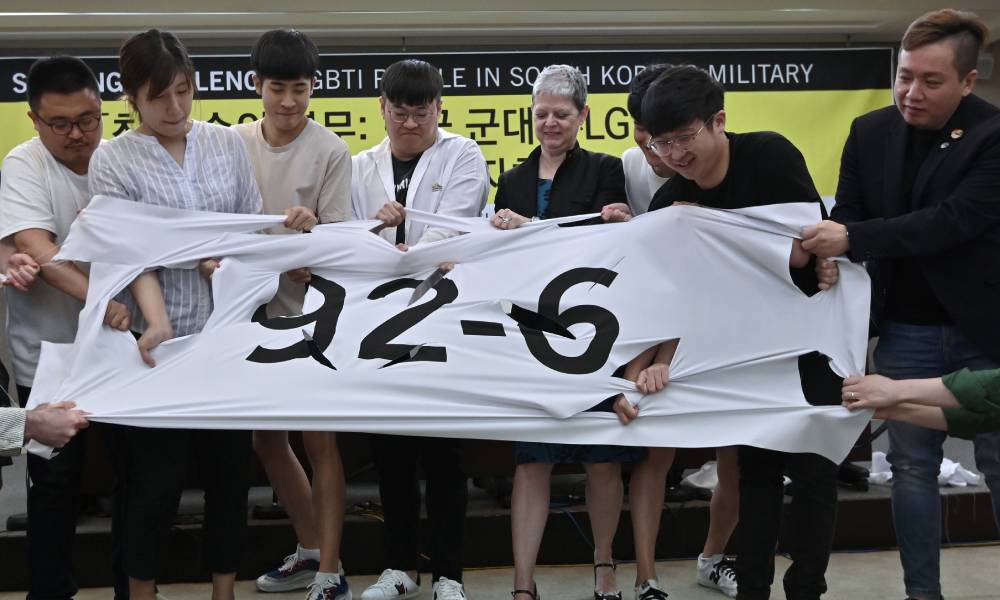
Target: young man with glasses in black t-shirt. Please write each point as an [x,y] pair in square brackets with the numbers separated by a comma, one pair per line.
[686,118]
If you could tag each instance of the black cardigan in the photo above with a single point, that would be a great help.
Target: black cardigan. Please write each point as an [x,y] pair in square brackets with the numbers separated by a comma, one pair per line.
[584,182]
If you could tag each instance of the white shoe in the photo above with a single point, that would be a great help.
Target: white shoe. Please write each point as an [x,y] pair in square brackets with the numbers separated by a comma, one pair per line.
[295,573]
[718,573]
[650,590]
[392,585]
[448,589]
[330,587]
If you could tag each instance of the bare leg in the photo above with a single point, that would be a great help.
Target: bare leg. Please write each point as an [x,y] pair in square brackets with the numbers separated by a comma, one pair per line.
[724,510]
[647,489]
[141,589]
[290,483]
[529,510]
[223,586]
[328,495]
[604,505]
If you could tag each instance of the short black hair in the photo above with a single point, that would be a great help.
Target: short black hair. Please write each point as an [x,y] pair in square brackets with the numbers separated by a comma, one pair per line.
[641,83]
[412,82]
[285,54]
[59,75]
[678,96]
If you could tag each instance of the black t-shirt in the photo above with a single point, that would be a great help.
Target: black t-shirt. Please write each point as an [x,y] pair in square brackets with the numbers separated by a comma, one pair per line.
[764,168]
[909,297]
[402,172]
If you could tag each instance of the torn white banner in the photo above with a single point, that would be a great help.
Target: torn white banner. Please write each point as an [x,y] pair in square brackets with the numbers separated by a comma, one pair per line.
[454,363]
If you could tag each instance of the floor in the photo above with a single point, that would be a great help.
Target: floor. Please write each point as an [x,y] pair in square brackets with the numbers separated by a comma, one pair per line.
[967,571]
[967,575]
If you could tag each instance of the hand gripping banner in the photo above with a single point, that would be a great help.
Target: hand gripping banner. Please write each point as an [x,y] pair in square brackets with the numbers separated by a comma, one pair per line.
[518,342]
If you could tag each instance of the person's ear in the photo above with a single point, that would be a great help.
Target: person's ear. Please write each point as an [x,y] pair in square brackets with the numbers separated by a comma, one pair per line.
[969,82]
[719,120]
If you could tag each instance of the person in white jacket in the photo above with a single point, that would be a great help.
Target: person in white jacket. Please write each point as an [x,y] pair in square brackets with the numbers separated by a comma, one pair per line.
[418,165]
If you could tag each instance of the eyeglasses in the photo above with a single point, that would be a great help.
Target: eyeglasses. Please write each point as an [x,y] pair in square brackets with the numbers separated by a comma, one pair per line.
[662,148]
[420,117]
[86,123]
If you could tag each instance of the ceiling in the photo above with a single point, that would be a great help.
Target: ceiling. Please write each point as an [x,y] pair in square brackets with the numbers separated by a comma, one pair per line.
[397,25]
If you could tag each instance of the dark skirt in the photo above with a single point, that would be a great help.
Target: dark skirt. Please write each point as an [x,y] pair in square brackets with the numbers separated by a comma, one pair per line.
[541,452]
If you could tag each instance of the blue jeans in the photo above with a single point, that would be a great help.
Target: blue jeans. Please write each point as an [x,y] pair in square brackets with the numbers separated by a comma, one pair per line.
[917,351]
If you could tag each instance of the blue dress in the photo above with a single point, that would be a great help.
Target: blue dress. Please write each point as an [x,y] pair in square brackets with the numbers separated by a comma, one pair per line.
[542,452]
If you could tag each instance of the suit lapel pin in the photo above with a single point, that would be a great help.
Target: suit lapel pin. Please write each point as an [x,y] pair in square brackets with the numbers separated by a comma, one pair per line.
[957,133]
[944,145]
[436,187]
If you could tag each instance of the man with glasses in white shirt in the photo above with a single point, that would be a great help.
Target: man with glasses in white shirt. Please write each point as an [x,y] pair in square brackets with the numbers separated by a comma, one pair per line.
[44,186]
[421,166]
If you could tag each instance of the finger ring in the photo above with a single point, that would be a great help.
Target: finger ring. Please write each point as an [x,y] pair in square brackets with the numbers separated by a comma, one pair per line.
[853,395]
[504,220]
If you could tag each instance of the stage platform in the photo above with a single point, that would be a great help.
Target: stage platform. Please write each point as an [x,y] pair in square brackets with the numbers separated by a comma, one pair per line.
[864,523]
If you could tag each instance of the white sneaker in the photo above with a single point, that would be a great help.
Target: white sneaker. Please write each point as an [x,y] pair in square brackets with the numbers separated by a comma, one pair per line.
[448,589]
[331,587]
[392,585]
[717,572]
[650,590]
[295,573]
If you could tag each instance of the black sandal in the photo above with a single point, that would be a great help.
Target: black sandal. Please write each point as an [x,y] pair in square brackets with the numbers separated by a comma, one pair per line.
[605,595]
[532,593]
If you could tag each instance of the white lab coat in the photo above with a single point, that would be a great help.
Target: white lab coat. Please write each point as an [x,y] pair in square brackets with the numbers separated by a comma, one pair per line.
[450,179]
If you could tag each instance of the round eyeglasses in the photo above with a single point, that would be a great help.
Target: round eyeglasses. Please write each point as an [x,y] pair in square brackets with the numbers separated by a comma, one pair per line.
[662,148]
[86,123]
[420,116]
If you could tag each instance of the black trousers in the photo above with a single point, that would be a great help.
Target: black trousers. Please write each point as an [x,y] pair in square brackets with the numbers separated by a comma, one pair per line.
[155,463]
[813,517]
[396,458]
[53,509]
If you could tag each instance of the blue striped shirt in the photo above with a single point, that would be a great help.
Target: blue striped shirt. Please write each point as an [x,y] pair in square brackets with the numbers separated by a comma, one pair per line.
[216,176]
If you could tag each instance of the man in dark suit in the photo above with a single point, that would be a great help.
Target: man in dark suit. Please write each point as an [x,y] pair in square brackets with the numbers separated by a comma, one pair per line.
[919,201]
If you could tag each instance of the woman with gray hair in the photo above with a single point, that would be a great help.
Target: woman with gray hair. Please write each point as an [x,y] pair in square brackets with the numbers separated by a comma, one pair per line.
[560,179]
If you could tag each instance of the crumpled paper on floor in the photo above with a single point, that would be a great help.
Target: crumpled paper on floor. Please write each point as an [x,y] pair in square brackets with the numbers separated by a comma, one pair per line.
[951,473]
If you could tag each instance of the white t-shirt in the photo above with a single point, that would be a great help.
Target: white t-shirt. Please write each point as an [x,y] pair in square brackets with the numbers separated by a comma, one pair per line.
[313,171]
[38,192]
[641,182]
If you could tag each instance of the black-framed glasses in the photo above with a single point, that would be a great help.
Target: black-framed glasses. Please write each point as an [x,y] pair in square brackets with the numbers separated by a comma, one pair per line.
[663,148]
[87,123]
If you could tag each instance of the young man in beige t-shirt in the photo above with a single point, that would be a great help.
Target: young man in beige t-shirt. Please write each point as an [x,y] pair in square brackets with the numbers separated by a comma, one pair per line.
[304,171]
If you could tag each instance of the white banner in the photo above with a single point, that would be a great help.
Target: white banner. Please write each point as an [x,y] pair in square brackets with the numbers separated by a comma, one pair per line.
[455,363]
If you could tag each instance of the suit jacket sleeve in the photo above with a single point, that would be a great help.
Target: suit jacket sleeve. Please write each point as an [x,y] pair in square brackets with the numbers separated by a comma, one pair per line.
[849,207]
[971,209]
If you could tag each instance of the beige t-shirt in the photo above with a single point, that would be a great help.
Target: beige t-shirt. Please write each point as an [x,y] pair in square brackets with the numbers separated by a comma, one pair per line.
[38,192]
[313,171]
